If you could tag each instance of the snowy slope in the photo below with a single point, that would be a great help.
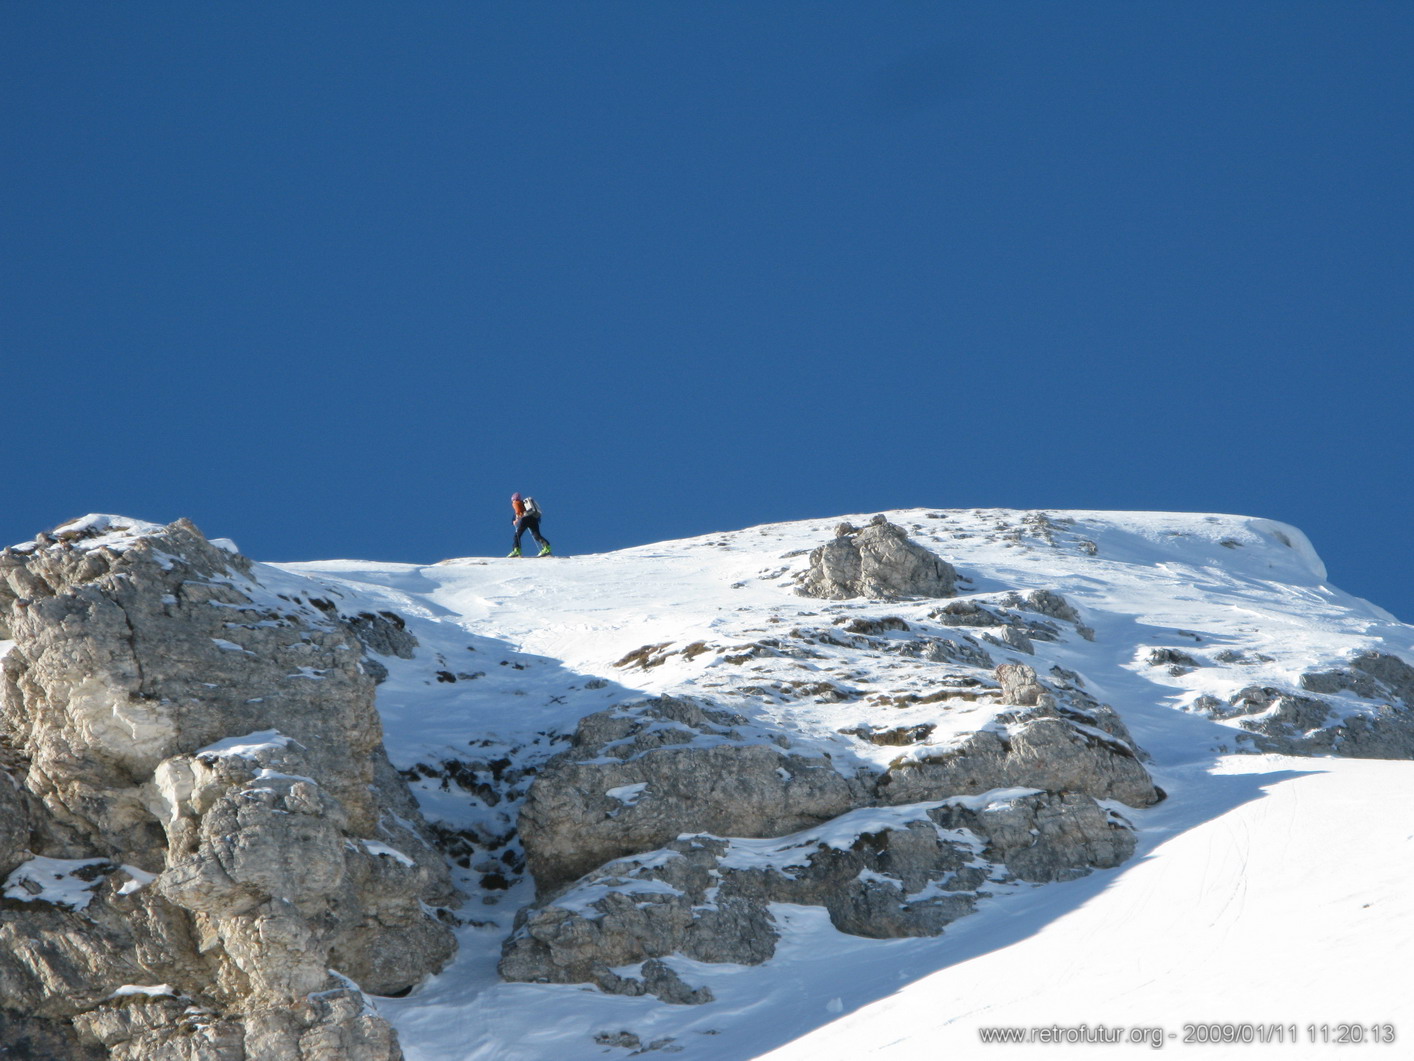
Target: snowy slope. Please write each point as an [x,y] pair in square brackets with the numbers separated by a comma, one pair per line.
[1265,888]
[1273,897]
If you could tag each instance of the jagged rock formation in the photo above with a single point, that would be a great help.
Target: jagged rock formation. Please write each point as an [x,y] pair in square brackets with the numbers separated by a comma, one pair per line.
[1283,720]
[1050,746]
[638,775]
[907,871]
[208,823]
[879,561]
[1016,799]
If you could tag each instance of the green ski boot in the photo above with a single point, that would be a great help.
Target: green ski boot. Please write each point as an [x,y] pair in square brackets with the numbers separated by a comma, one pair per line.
[544,550]
[514,552]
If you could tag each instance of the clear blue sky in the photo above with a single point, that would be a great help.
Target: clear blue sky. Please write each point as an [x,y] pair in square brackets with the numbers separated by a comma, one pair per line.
[334,279]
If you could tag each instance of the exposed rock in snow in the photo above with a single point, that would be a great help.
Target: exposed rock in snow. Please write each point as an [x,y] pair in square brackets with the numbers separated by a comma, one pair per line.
[1371,675]
[173,713]
[694,769]
[1019,685]
[879,561]
[1365,709]
[1050,745]
[697,768]
[906,871]
[383,632]
[700,768]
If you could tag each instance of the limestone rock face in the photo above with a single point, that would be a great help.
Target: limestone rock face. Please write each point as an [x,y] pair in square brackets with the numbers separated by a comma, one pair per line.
[1372,675]
[334,1025]
[709,820]
[637,776]
[1042,837]
[14,825]
[1020,685]
[132,647]
[1079,747]
[908,871]
[202,763]
[879,561]
[1282,720]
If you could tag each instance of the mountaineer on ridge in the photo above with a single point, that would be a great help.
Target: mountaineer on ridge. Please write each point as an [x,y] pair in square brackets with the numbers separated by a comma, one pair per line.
[527,518]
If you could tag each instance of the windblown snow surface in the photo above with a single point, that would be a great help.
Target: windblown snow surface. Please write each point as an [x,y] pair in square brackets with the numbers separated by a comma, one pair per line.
[1269,899]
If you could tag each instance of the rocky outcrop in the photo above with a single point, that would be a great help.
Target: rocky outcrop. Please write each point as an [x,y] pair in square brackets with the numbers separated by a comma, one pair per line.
[209,806]
[663,829]
[878,561]
[1371,675]
[382,632]
[883,873]
[1043,836]
[332,1025]
[636,776]
[1050,745]
[1020,685]
[1282,720]
[1009,618]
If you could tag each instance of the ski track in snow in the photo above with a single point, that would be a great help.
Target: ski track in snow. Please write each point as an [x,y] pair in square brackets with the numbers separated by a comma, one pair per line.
[1266,889]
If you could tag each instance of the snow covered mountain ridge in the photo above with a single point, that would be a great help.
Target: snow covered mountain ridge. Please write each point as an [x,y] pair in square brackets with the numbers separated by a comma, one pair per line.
[676,775]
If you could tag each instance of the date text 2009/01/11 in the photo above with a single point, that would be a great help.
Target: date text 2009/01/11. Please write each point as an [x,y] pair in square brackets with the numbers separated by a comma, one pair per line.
[1198,1033]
